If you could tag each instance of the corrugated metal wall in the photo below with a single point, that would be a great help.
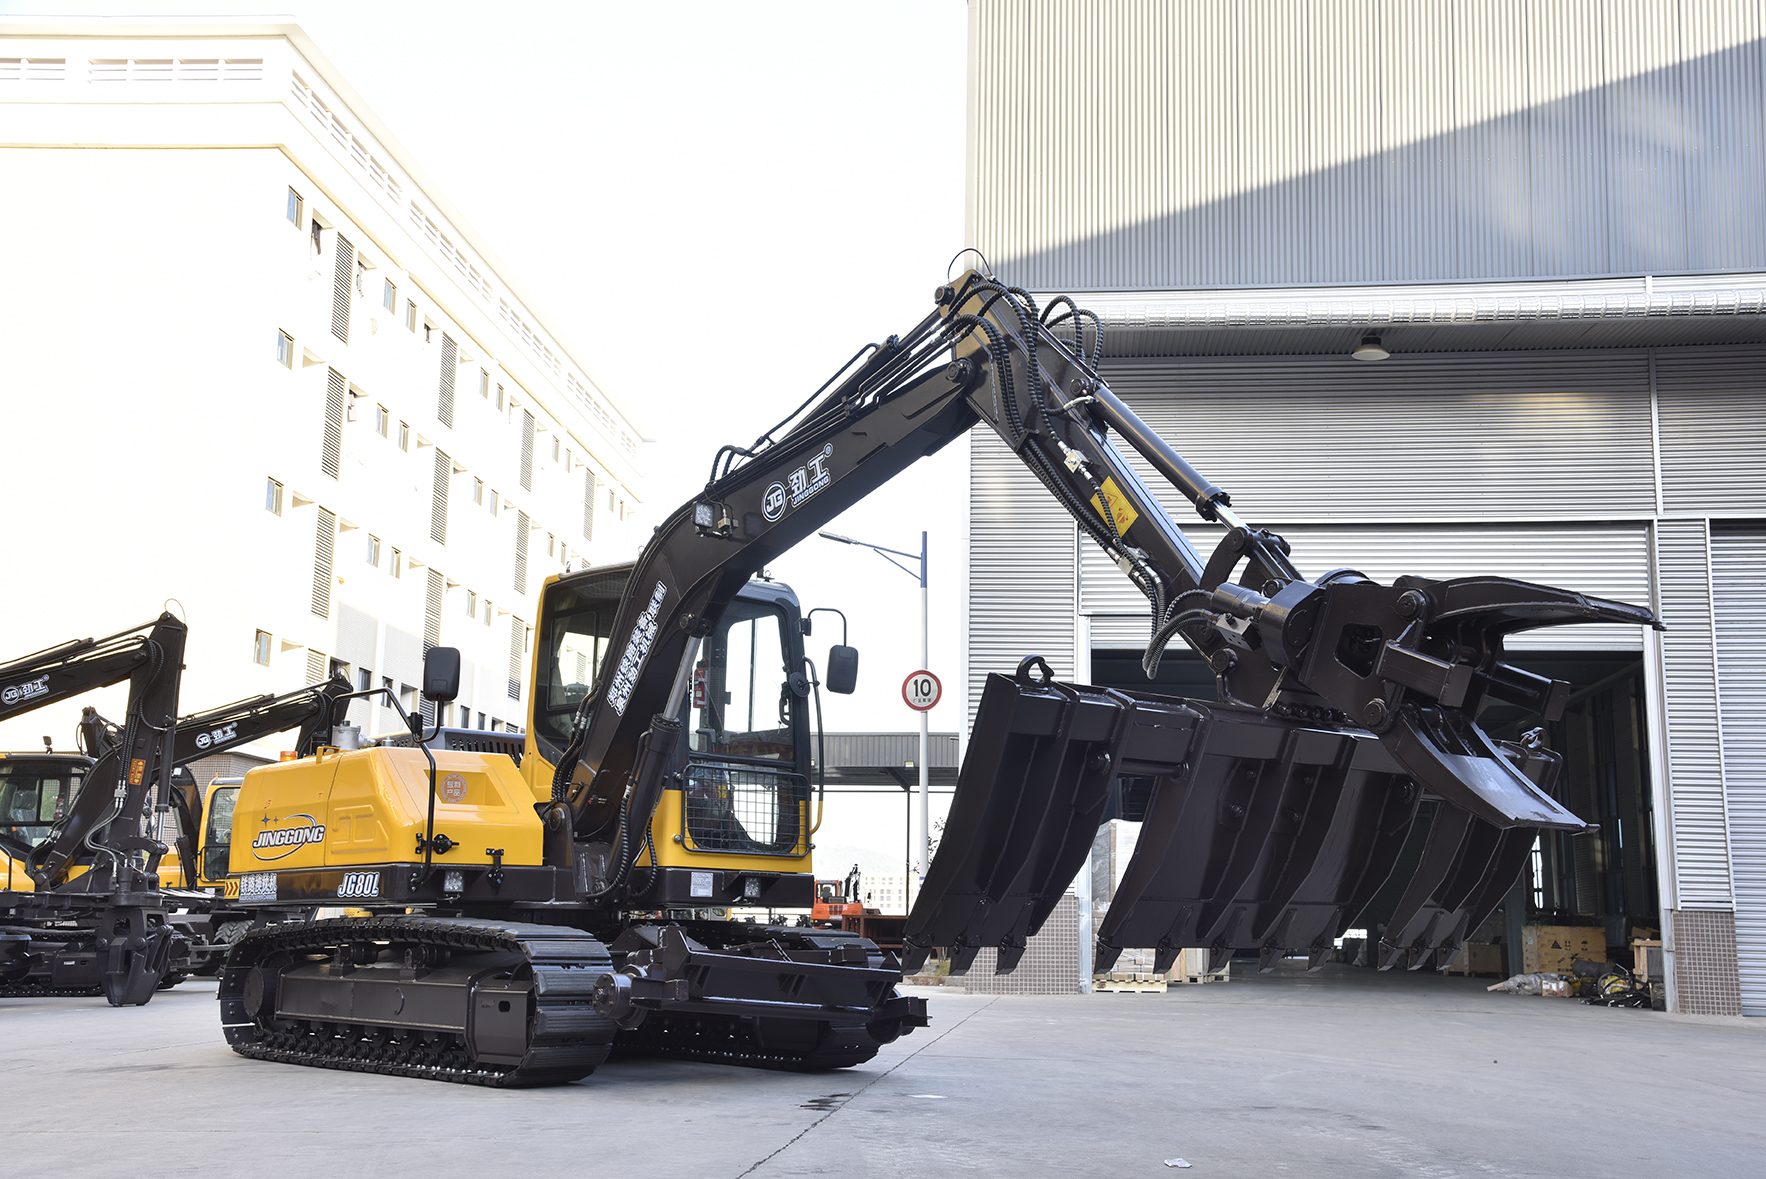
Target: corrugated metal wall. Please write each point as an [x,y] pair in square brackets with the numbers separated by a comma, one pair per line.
[1701,828]
[1712,405]
[1021,568]
[1142,144]
[1738,560]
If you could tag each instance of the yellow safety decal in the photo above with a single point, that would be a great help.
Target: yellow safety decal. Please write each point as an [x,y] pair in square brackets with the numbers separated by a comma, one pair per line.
[1121,511]
[137,770]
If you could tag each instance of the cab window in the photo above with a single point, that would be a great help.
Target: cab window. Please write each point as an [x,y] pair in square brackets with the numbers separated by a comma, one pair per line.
[741,702]
[33,795]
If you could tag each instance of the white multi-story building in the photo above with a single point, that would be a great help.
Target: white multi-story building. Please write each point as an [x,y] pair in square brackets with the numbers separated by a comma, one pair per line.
[255,366]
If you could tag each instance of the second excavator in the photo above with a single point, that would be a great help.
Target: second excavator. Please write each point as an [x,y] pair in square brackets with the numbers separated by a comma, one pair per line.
[529,918]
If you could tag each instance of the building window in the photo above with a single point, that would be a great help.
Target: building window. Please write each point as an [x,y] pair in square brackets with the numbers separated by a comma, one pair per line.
[554,448]
[410,316]
[499,397]
[284,349]
[481,720]
[427,328]
[568,459]
[374,551]
[273,497]
[471,604]
[318,241]
[294,208]
[404,436]
[487,611]
[364,679]
[610,499]
[386,683]
[478,491]
[381,420]
[260,649]
[493,501]
[551,545]
[396,566]
[389,295]
[361,275]
[484,383]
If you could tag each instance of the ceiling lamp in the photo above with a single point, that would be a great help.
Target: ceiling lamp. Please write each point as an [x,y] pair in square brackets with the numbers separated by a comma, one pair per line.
[1370,349]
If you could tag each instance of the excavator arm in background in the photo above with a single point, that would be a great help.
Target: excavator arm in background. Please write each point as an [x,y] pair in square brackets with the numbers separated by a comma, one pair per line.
[104,929]
[106,819]
[312,709]
[1273,814]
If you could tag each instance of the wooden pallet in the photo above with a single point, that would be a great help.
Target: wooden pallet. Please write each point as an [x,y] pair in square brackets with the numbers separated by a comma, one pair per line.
[1152,984]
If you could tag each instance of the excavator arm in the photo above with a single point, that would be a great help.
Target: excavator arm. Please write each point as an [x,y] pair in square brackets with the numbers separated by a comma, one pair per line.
[1274,813]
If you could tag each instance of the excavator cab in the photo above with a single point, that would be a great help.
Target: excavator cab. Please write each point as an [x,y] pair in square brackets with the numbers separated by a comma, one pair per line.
[733,822]
[35,790]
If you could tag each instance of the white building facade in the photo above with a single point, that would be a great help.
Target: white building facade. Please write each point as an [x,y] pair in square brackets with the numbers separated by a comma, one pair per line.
[255,366]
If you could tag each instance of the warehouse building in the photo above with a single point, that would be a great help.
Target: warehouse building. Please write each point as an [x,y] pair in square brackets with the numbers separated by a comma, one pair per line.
[1439,290]
[258,365]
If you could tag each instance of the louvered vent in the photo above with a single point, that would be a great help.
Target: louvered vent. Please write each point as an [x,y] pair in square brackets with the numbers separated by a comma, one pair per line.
[527,450]
[450,361]
[588,505]
[322,547]
[315,666]
[438,511]
[517,632]
[432,608]
[332,458]
[343,270]
[521,530]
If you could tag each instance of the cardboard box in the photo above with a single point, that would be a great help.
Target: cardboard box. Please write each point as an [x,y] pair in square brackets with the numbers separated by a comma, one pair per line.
[1480,958]
[1555,988]
[1554,949]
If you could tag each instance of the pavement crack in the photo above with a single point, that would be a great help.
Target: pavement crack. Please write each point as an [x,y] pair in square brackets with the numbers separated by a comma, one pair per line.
[794,1139]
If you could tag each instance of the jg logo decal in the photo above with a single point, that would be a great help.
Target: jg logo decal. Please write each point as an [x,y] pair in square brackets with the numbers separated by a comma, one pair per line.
[30,689]
[800,487]
[224,733]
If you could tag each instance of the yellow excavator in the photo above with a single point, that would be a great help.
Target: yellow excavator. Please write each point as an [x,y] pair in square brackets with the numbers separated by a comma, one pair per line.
[529,916]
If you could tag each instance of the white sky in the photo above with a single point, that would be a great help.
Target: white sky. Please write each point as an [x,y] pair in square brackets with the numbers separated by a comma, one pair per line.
[716,204]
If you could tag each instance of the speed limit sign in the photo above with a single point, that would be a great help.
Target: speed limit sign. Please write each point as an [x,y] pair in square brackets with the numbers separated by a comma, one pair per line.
[922,691]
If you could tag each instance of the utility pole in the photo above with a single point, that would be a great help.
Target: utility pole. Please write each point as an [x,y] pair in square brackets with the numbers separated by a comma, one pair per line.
[920,857]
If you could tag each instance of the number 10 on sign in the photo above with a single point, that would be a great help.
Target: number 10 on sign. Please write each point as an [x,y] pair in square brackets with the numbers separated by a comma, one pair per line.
[921,690]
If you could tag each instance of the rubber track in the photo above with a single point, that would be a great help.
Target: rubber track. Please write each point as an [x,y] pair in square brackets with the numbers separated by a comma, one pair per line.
[569,1040]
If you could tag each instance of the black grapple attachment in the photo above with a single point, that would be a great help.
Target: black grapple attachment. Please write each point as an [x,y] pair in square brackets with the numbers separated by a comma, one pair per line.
[1273,818]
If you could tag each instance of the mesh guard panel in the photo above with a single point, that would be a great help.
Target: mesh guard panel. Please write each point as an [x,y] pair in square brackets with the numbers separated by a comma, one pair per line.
[745,809]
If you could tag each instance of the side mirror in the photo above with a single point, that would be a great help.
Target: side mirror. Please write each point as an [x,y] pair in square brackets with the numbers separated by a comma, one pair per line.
[441,673]
[842,669]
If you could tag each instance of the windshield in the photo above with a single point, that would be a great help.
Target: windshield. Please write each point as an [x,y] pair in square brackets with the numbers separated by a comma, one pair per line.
[34,792]
[742,701]
[574,629]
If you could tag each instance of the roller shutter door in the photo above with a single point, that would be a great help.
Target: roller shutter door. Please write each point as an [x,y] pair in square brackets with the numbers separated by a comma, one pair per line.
[1442,436]
[1609,562]
[1738,593]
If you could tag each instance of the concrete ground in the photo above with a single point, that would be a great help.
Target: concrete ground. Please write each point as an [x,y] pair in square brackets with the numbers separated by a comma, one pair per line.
[1350,1074]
